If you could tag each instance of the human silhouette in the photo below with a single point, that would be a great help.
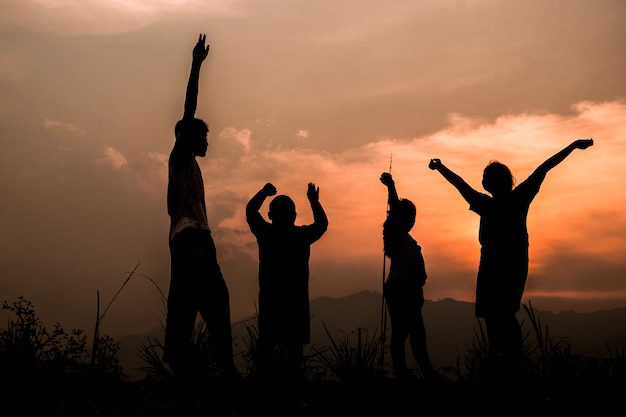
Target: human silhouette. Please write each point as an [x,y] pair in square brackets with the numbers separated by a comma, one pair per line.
[196,281]
[284,252]
[503,236]
[403,289]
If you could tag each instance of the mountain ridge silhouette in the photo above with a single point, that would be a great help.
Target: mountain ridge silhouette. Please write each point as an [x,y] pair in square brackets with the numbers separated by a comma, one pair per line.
[450,326]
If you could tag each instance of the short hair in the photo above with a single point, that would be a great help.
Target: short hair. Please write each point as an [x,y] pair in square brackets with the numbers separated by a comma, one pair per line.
[497,178]
[190,127]
[402,215]
[400,219]
[282,209]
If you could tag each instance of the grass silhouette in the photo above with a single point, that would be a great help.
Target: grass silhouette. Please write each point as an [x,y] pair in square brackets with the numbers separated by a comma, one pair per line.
[54,372]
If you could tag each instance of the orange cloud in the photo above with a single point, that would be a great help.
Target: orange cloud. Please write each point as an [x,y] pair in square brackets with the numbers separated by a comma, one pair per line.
[565,211]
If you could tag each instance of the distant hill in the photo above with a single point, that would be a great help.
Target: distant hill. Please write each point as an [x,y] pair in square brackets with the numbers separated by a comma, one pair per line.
[450,327]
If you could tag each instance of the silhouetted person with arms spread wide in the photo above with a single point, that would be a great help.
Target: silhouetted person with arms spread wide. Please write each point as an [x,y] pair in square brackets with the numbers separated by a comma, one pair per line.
[284,252]
[196,282]
[403,290]
[503,236]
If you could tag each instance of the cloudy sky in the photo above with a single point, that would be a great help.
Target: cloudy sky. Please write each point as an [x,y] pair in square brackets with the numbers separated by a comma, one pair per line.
[296,91]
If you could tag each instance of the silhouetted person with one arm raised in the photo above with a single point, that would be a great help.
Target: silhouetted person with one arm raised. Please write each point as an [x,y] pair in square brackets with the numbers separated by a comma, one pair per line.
[403,289]
[196,281]
[503,235]
[284,252]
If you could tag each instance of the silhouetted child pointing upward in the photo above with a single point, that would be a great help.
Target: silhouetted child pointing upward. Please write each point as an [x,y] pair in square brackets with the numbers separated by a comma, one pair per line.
[503,236]
[284,251]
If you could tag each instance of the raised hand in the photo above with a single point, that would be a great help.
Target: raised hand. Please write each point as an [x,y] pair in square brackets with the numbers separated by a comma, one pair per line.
[191,95]
[200,51]
[269,189]
[582,143]
[313,193]
[386,178]
[434,163]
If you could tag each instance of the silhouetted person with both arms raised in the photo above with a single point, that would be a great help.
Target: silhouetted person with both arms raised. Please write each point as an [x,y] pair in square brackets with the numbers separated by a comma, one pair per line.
[284,252]
[196,282]
[503,236]
[403,289]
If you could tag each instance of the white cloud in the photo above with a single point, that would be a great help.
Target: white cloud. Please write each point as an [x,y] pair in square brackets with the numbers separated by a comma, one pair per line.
[52,124]
[242,137]
[302,134]
[113,157]
[563,213]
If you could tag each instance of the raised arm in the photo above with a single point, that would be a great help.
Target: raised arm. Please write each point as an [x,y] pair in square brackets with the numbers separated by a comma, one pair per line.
[200,52]
[319,215]
[458,182]
[392,194]
[558,157]
[255,203]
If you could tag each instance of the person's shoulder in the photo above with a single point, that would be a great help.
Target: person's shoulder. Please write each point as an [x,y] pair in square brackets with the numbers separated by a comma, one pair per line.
[314,229]
[481,198]
[530,184]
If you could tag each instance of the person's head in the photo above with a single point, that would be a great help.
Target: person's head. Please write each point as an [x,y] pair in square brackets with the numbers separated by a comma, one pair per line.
[192,133]
[400,220]
[497,178]
[282,211]
[402,217]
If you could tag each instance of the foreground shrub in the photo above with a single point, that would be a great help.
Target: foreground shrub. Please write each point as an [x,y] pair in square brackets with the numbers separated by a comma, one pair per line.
[29,352]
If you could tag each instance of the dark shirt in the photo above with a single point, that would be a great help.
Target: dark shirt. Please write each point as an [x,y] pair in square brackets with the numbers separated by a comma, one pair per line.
[185,192]
[503,236]
[284,277]
[406,258]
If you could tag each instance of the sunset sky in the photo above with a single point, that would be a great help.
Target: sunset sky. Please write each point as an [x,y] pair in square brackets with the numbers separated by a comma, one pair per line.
[298,91]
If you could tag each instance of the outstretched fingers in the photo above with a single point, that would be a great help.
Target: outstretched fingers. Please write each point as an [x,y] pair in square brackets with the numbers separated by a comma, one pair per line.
[200,51]
[312,192]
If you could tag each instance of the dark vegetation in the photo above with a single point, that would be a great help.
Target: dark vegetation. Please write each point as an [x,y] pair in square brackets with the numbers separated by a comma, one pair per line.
[59,373]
